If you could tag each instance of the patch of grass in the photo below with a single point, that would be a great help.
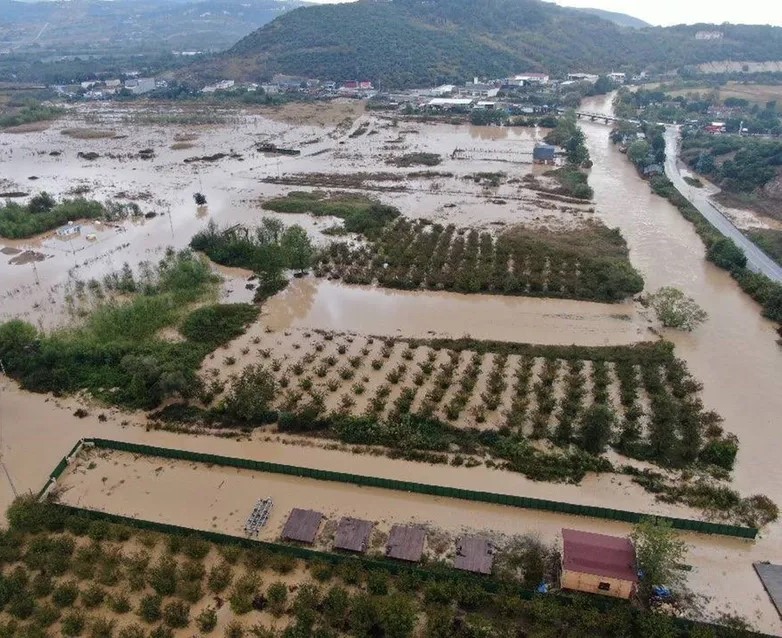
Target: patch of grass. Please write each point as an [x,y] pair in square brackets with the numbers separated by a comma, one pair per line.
[769,240]
[573,182]
[359,213]
[30,113]
[416,159]
[218,324]
[88,133]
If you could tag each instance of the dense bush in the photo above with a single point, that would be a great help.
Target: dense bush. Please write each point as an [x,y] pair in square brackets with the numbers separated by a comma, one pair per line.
[267,249]
[218,324]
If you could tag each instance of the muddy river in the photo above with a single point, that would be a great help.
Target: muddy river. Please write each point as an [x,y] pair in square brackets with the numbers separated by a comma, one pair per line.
[734,354]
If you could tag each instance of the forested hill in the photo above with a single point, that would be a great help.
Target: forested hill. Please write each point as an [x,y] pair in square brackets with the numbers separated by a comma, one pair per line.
[622,19]
[404,43]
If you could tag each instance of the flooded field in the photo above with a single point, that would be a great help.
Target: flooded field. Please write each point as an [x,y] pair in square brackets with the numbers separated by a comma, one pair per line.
[734,353]
[311,303]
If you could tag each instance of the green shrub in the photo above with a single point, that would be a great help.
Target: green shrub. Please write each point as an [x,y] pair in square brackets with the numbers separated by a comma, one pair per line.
[720,452]
[161,631]
[149,608]
[65,594]
[132,631]
[163,576]
[93,596]
[102,628]
[206,621]
[220,577]
[277,596]
[176,614]
[243,593]
[73,623]
[119,603]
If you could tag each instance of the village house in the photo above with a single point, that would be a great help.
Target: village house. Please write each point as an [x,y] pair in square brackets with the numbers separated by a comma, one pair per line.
[598,564]
[476,89]
[582,77]
[138,86]
[528,79]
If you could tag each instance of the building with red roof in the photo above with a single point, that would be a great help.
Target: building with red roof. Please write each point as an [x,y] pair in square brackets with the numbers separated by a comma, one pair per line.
[598,564]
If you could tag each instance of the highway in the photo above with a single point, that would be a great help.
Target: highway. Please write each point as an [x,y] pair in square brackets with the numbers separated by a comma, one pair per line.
[757,260]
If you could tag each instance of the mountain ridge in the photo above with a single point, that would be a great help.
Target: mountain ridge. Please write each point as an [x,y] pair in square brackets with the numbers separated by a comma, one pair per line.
[407,43]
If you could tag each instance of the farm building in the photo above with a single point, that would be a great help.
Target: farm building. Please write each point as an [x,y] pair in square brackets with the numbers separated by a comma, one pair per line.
[543,154]
[598,564]
[68,230]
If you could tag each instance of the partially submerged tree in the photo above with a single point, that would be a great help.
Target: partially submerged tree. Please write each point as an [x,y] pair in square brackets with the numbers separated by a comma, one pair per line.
[659,552]
[297,248]
[675,310]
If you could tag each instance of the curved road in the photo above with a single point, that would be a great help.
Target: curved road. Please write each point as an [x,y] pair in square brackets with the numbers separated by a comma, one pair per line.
[757,260]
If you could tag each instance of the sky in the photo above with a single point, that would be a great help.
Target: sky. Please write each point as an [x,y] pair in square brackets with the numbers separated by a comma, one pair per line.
[667,12]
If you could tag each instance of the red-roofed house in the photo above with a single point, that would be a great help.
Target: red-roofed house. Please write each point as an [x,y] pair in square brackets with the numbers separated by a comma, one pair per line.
[598,564]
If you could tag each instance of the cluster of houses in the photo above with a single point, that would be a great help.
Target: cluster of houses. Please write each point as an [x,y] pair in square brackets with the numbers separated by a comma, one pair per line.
[104,89]
[478,93]
[285,84]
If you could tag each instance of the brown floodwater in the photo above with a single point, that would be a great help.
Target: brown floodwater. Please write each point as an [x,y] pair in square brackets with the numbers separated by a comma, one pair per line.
[312,303]
[734,353]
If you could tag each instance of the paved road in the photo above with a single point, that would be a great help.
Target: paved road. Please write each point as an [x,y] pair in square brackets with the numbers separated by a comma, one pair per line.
[757,260]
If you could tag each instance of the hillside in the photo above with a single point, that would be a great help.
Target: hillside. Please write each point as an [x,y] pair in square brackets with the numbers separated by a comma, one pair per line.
[412,43]
[98,27]
[620,19]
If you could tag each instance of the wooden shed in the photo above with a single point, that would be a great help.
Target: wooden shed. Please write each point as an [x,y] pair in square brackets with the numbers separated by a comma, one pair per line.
[598,564]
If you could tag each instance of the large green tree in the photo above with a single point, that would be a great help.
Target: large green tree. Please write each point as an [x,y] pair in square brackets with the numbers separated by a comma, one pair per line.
[659,552]
[297,247]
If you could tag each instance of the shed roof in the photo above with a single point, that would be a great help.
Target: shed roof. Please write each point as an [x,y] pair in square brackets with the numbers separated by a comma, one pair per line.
[353,534]
[599,554]
[474,554]
[302,525]
[406,542]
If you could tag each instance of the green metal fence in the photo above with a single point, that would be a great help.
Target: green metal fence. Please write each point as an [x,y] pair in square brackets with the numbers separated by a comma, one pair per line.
[417,488]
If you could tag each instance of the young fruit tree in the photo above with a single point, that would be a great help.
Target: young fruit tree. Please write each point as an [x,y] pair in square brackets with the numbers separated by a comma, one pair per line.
[675,310]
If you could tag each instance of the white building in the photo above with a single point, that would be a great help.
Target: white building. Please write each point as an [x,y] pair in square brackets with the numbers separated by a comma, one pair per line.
[449,103]
[68,230]
[140,85]
[224,85]
[582,77]
[525,79]
[618,77]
